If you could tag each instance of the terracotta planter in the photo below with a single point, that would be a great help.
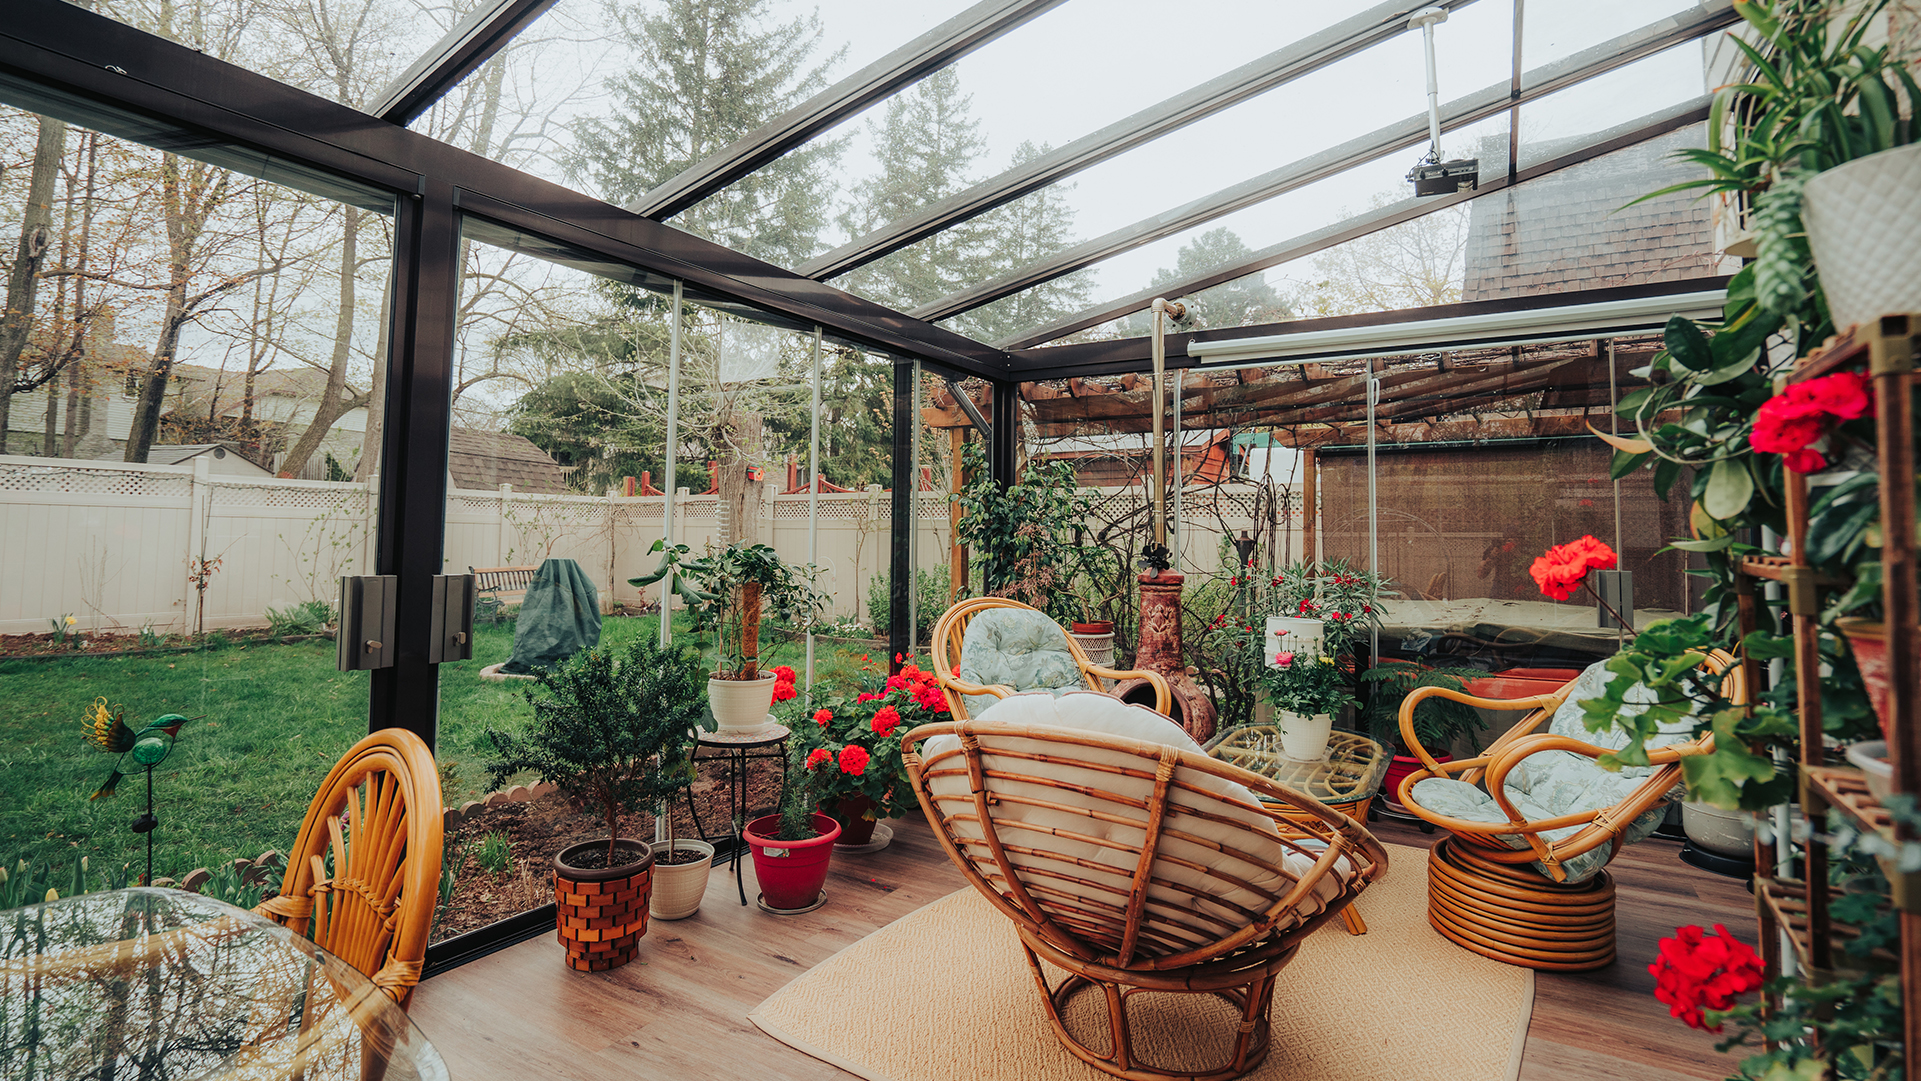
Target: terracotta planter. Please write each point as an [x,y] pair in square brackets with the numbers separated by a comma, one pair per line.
[791,873]
[1304,737]
[1869,641]
[1098,626]
[741,703]
[856,823]
[679,887]
[601,912]
[1397,771]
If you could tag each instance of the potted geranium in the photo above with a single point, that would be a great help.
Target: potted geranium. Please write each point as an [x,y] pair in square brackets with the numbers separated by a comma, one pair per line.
[852,750]
[793,847]
[611,736]
[1307,691]
[726,588]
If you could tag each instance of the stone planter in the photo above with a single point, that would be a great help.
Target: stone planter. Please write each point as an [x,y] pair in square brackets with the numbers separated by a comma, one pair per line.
[601,912]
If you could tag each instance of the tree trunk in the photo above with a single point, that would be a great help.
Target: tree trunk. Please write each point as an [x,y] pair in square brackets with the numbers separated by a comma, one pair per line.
[35,226]
[369,463]
[332,401]
[153,387]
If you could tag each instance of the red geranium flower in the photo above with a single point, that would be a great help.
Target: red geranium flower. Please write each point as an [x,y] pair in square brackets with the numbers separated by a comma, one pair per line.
[819,755]
[930,697]
[823,717]
[1560,570]
[783,691]
[1697,971]
[886,719]
[1792,421]
[784,674]
[853,760]
[865,697]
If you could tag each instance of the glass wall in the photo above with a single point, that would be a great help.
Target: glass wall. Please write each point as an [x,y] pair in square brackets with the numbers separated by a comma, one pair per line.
[191,376]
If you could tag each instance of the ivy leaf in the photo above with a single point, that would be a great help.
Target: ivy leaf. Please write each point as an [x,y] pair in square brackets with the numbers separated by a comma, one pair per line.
[1730,486]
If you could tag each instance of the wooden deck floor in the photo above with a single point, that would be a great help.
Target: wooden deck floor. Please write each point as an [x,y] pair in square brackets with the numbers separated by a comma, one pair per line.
[680,1012]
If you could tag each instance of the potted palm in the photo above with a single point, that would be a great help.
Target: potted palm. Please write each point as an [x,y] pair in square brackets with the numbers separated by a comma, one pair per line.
[727,588]
[792,848]
[610,737]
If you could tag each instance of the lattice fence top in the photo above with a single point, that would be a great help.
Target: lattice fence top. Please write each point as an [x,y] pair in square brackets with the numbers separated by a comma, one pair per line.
[58,476]
[336,499]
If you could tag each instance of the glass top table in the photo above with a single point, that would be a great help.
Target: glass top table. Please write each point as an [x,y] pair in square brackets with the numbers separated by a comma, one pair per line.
[159,983]
[1346,778]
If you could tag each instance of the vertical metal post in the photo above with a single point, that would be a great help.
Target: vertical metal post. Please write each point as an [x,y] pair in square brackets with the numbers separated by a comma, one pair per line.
[673,460]
[1157,485]
[413,474]
[1373,503]
[1179,539]
[1001,454]
[899,634]
[913,526]
[813,501]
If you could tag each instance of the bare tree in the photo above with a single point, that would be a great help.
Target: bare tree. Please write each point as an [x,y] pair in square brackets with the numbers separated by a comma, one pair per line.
[23,280]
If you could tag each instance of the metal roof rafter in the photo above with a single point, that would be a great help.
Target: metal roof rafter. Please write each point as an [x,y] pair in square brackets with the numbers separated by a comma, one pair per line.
[1306,244]
[1489,101]
[903,67]
[472,42]
[1341,40]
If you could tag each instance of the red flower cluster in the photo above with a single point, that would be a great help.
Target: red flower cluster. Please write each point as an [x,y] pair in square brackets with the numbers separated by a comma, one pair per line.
[1559,572]
[886,719]
[820,754]
[823,717]
[853,759]
[1697,971]
[924,686]
[784,684]
[1792,421]
[1308,606]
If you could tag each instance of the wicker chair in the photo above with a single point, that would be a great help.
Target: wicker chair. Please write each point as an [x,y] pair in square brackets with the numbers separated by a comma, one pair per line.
[1136,866]
[950,632]
[1507,889]
[364,890]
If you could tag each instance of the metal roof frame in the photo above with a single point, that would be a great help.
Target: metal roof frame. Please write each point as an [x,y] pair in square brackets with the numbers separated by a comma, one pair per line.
[474,40]
[1489,101]
[903,67]
[1277,68]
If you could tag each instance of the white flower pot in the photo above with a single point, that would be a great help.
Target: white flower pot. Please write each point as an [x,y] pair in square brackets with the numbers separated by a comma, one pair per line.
[1864,226]
[1098,647]
[679,887]
[741,703]
[1304,738]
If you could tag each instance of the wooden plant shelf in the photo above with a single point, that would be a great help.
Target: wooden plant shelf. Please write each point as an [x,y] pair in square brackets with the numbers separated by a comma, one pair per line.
[1777,568]
[1846,790]
[1788,902]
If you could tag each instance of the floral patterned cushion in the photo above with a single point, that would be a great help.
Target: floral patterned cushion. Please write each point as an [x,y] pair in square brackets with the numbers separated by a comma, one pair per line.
[1018,648]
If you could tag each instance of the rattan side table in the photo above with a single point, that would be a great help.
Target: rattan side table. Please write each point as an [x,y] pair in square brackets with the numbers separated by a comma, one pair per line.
[1347,778]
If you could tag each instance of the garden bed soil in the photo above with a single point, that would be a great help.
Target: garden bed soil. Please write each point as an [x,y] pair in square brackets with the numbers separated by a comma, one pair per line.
[43,646]
[541,827]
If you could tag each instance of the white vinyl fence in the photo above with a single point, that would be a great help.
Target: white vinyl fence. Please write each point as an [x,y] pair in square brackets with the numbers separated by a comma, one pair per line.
[112,544]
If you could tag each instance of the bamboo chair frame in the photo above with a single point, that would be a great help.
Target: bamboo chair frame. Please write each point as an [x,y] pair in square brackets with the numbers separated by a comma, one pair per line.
[1124,947]
[374,907]
[951,629]
[1482,893]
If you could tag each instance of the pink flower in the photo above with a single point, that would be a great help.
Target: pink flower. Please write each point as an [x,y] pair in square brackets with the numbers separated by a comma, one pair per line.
[1283,658]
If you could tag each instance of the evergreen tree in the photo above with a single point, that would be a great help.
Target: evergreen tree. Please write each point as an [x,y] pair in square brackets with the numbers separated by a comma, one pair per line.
[1029,229]
[705,73]
[927,146]
[1237,303]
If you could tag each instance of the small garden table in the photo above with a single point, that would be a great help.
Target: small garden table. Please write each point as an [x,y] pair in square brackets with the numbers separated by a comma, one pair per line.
[1346,779]
[172,984]
[736,747]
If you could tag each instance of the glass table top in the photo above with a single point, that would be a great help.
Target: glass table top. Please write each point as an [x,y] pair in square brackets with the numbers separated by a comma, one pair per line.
[162,984]
[1350,772]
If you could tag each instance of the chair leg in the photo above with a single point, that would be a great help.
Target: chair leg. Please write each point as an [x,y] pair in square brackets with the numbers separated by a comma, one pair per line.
[1355,925]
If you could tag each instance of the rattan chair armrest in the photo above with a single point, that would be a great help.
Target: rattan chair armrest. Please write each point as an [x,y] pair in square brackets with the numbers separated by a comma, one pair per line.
[1540,703]
[1163,696]
[998,690]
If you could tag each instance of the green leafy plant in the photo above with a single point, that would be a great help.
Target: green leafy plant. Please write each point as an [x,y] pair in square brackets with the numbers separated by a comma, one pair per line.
[496,853]
[1306,684]
[1023,535]
[32,883]
[1346,599]
[1438,722]
[726,588]
[852,748]
[930,600]
[307,617]
[242,889]
[450,871]
[610,736]
[150,638]
[798,799]
[63,627]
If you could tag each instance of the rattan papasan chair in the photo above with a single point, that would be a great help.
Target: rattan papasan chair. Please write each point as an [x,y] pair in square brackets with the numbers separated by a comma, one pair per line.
[1534,821]
[1132,861]
[986,648]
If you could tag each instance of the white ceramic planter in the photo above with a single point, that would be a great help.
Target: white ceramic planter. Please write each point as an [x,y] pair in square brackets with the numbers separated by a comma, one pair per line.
[678,887]
[1304,738]
[1722,832]
[741,703]
[1864,226]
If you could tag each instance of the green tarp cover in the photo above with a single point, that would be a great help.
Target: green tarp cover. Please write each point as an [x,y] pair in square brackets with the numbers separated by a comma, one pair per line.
[559,617]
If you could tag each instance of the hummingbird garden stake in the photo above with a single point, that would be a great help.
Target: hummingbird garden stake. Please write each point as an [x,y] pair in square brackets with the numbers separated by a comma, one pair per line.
[106,728]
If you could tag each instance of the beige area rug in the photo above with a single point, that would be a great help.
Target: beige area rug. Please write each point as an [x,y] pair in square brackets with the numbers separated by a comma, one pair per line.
[945,994]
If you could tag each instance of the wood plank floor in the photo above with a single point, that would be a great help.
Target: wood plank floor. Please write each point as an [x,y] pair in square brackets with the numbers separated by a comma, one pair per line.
[679,1014]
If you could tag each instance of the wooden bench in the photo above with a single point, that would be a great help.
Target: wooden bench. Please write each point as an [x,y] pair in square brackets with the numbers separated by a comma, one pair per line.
[494,587]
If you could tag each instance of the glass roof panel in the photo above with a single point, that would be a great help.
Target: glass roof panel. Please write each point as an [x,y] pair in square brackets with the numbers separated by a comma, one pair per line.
[1552,29]
[1574,115]
[347,51]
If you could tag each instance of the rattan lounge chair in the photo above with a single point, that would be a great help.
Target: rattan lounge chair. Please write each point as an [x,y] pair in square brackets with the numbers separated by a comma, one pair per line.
[364,890]
[1137,864]
[1522,877]
[950,638]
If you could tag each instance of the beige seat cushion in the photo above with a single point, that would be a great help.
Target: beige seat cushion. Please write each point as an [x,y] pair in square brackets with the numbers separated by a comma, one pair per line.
[1246,846]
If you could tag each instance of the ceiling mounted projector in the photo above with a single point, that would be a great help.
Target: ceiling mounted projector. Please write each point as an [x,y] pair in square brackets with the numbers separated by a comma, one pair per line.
[1431,175]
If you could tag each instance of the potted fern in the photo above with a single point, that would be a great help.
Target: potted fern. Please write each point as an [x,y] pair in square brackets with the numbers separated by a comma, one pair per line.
[611,736]
[727,588]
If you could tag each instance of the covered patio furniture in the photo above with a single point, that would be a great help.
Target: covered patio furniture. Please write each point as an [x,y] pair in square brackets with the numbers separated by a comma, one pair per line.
[1535,820]
[1134,862]
[987,648]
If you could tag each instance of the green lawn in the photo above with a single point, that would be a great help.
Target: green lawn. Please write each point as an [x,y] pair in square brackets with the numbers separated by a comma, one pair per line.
[276,717]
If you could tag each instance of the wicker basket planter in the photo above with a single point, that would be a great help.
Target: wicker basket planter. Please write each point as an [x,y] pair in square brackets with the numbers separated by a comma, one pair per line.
[679,887]
[601,912]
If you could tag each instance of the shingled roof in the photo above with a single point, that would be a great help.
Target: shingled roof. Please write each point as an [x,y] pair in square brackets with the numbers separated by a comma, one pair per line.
[490,459]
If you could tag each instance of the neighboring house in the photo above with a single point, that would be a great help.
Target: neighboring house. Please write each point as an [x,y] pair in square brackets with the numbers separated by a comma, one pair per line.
[283,398]
[487,460]
[104,413]
[229,459]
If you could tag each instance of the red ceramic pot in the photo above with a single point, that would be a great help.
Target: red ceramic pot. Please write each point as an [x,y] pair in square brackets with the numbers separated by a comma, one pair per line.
[1869,641]
[1099,626]
[855,827]
[1397,771]
[791,873]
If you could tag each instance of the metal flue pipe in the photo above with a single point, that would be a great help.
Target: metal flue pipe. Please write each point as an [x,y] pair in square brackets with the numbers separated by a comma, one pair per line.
[1157,486]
